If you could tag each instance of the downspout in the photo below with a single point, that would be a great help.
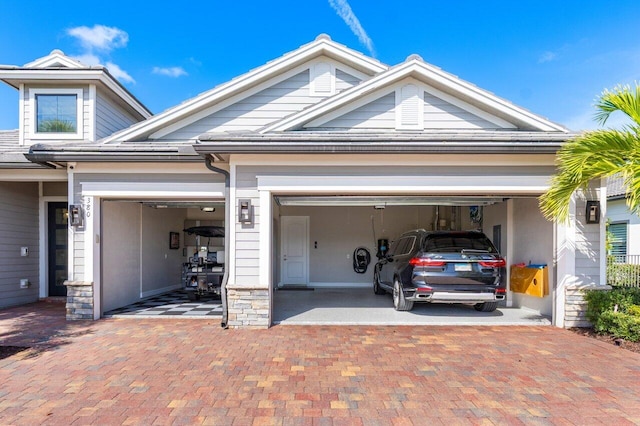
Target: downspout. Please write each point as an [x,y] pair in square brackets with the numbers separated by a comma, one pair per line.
[227,226]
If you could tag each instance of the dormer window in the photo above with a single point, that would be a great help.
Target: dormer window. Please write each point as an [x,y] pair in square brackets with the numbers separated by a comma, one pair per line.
[57,113]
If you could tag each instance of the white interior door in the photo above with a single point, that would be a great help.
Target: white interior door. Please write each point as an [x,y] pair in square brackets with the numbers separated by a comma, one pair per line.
[295,250]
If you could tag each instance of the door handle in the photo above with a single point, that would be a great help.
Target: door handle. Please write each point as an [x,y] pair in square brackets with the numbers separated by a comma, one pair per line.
[285,257]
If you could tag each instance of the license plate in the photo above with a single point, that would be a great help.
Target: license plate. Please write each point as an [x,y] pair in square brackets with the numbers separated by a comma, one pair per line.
[462,267]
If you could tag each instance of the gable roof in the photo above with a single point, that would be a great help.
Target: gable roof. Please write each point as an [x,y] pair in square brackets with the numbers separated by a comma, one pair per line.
[480,100]
[59,68]
[321,46]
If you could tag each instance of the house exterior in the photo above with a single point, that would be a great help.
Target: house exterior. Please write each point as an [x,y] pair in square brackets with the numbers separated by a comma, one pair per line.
[624,226]
[303,159]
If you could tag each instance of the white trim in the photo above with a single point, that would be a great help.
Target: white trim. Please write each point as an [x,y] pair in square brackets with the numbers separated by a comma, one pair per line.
[321,46]
[393,159]
[73,76]
[149,190]
[266,257]
[93,261]
[55,58]
[427,74]
[510,249]
[93,113]
[603,231]
[231,225]
[33,175]
[21,104]
[71,197]
[467,185]
[565,259]
[33,114]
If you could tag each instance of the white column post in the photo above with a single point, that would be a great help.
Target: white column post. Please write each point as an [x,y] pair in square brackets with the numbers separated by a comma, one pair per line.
[266,256]
[565,262]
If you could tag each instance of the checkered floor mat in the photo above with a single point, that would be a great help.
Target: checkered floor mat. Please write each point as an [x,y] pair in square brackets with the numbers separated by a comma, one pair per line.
[175,303]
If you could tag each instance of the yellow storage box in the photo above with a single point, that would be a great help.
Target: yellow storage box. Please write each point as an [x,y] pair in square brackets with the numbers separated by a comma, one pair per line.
[532,280]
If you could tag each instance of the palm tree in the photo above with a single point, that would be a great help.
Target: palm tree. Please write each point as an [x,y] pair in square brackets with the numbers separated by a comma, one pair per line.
[599,154]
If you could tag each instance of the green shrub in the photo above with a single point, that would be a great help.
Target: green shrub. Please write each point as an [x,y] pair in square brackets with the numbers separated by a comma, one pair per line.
[619,324]
[623,322]
[599,301]
[634,310]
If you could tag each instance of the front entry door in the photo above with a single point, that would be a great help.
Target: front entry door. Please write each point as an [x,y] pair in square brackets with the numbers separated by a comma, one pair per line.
[58,252]
[295,250]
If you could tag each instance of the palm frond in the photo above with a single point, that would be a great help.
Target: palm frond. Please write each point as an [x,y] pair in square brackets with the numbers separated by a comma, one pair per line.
[622,98]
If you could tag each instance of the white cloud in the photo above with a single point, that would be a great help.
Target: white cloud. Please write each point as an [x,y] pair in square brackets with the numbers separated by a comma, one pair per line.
[344,11]
[100,37]
[88,59]
[547,56]
[119,73]
[170,71]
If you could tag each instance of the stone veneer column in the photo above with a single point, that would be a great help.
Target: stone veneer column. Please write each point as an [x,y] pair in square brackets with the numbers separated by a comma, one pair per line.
[575,305]
[79,300]
[248,308]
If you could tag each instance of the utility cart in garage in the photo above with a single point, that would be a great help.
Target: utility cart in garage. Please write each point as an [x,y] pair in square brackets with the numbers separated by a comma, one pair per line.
[202,273]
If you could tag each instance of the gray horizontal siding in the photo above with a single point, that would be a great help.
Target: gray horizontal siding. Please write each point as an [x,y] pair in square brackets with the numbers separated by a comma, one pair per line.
[439,114]
[253,112]
[109,117]
[18,228]
[345,81]
[379,114]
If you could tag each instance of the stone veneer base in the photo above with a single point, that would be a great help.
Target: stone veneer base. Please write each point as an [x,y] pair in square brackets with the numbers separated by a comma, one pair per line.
[79,300]
[248,308]
[575,310]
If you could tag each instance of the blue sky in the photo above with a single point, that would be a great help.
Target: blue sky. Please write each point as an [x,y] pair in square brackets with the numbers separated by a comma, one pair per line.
[551,57]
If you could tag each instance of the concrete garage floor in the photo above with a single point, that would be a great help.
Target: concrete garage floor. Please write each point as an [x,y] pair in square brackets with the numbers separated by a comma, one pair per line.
[360,306]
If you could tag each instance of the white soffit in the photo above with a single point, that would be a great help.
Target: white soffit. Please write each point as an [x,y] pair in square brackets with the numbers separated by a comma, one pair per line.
[384,201]
[154,190]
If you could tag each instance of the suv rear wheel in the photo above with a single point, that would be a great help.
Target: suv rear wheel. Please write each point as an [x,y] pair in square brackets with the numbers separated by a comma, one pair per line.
[486,306]
[399,302]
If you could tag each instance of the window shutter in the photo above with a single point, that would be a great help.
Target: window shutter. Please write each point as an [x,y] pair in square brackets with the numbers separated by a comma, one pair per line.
[322,79]
[409,108]
[618,235]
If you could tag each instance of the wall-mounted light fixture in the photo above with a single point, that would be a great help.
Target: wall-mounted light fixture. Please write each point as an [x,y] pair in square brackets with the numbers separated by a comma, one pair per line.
[245,211]
[208,209]
[75,215]
[593,212]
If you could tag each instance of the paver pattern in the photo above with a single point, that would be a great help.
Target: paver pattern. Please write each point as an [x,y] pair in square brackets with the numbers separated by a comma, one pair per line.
[180,371]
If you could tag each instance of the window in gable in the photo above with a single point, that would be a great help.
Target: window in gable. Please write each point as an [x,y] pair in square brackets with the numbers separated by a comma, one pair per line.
[56,113]
[323,79]
[409,108]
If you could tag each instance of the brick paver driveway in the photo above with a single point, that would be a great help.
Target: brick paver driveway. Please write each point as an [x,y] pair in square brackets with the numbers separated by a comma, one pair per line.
[157,371]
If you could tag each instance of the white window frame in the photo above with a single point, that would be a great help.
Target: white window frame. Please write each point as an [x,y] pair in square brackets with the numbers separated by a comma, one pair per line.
[33,130]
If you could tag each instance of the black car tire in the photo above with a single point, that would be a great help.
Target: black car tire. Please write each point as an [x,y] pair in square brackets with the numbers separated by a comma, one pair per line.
[376,284]
[486,306]
[399,302]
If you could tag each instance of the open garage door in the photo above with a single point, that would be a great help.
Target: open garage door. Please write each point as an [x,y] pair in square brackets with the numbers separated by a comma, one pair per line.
[336,290]
[148,249]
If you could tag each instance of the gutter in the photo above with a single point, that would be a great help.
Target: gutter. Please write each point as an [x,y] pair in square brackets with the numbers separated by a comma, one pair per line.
[227,230]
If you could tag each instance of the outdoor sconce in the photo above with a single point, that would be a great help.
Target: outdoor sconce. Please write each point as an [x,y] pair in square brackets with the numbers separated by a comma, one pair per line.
[593,212]
[245,211]
[75,215]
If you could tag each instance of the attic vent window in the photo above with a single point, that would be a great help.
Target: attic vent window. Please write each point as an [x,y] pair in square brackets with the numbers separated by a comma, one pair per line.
[322,79]
[409,108]
[55,114]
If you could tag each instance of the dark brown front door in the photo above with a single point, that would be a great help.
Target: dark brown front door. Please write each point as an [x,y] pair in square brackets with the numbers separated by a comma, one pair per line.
[58,248]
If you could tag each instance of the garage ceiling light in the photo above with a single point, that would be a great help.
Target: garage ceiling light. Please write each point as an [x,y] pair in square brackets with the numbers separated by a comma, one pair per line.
[386,201]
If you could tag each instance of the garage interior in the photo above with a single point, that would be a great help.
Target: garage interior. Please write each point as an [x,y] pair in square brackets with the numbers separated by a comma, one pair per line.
[338,225]
[142,272]
[148,257]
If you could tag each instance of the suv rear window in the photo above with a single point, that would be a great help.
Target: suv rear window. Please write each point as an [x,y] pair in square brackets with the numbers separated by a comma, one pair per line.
[457,242]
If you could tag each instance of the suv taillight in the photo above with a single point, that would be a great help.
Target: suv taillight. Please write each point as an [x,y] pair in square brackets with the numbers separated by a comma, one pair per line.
[494,263]
[425,261]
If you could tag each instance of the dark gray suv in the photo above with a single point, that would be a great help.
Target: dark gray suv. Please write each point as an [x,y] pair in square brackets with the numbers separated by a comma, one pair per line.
[442,267]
